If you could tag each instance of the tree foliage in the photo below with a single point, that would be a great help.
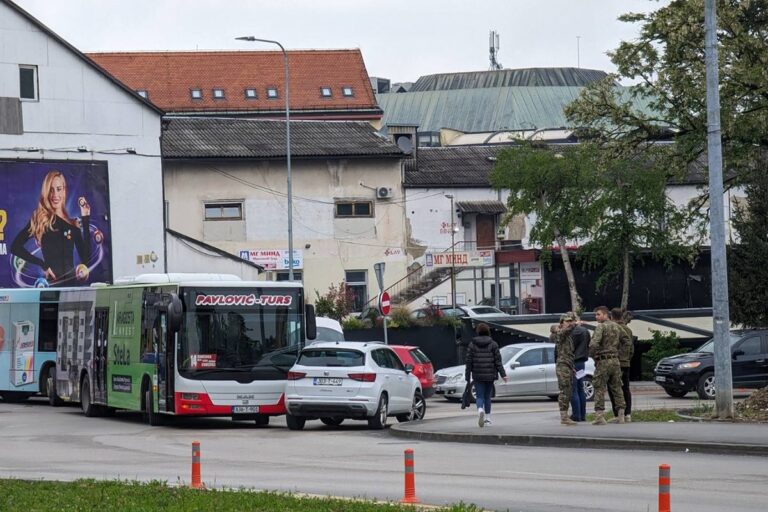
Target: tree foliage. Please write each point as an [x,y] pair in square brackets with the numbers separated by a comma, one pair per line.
[337,302]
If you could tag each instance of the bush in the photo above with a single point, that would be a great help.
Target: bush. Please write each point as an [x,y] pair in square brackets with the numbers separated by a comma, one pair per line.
[353,323]
[336,303]
[663,344]
[400,316]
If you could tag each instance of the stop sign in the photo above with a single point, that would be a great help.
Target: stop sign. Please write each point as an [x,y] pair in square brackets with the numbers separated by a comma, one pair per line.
[384,303]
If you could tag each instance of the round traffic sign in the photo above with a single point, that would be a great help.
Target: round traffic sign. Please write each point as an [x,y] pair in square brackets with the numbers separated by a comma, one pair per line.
[384,303]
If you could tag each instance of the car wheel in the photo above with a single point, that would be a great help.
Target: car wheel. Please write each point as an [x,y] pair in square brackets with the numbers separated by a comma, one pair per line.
[706,388]
[262,420]
[589,388]
[379,420]
[334,421]
[418,409]
[676,393]
[295,422]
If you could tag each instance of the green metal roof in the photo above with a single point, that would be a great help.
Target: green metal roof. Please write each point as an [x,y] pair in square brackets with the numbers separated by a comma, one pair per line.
[528,77]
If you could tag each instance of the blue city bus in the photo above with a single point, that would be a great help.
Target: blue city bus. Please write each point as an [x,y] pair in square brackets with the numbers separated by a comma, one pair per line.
[28,339]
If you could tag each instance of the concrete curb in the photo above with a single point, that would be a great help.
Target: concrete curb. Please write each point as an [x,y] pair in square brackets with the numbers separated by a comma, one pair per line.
[581,442]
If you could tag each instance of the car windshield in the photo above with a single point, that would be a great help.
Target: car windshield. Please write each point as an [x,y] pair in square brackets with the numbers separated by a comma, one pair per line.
[331,357]
[328,334]
[485,310]
[508,353]
[710,345]
[419,356]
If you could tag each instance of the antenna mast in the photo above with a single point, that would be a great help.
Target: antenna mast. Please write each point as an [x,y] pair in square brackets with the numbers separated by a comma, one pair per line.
[493,48]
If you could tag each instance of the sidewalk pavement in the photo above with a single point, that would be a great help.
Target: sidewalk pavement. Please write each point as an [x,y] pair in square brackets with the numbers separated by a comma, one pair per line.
[544,429]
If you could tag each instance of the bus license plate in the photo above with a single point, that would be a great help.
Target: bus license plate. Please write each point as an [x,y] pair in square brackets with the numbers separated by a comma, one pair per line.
[327,381]
[245,409]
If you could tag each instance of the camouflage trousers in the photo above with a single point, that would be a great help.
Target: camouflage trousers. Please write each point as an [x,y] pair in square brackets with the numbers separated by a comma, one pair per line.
[608,375]
[565,384]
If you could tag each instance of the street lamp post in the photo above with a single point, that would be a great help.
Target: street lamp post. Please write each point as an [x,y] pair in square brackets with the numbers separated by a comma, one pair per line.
[453,255]
[287,147]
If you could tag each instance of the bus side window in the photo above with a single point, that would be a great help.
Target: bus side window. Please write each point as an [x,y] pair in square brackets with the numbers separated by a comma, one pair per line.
[47,339]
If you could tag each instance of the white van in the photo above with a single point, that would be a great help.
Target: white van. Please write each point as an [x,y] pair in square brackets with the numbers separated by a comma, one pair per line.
[328,329]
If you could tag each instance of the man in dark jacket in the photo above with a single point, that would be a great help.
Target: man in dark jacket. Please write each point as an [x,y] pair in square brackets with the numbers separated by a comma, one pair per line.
[483,365]
[580,337]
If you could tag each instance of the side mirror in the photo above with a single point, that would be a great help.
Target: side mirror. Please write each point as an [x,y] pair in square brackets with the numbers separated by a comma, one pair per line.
[409,368]
[737,353]
[514,364]
[311,322]
[175,313]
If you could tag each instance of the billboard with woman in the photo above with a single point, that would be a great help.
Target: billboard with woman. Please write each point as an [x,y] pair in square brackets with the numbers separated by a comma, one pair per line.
[54,224]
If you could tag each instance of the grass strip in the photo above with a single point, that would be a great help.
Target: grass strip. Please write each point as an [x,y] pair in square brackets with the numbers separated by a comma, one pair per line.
[93,495]
[644,416]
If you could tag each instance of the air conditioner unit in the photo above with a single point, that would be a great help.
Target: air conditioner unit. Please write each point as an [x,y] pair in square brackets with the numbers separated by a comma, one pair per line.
[383,192]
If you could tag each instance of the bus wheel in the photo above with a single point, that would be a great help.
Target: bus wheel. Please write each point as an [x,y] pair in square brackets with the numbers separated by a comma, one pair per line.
[14,397]
[153,418]
[53,397]
[89,409]
[262,420]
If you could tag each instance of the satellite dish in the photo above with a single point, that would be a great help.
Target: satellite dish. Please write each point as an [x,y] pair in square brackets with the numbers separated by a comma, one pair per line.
[405,143]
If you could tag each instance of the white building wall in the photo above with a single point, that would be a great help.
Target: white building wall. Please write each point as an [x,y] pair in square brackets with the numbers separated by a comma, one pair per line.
[80,107]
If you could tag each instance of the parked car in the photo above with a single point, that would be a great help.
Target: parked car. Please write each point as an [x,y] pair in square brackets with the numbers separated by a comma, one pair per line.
[695,371]
[530,368]
[422,366]
[334,381]
[328,329]
[461,311]
[506,304]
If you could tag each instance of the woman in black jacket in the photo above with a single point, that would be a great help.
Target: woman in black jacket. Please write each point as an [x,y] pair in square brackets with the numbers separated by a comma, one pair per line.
[483,364]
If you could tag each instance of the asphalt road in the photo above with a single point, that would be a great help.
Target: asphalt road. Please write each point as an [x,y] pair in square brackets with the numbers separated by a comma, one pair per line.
[37,441]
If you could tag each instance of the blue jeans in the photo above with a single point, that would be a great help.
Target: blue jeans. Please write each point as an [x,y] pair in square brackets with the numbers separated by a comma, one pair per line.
[483,391]
[578,398]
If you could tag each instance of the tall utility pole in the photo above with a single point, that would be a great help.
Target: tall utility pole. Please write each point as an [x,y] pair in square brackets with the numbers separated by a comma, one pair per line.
[453,254]
[721,314]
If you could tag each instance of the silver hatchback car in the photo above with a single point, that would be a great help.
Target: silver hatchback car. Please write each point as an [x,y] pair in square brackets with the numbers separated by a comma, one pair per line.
[334,381]
[530,368]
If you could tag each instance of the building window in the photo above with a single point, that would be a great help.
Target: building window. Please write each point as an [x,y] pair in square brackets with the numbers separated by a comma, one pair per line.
[143,93]
[271,92]
[250,94]
[354,209]
[224,211]
[347,91]
[196,94]
[283,275]
[28,83]
[357,284]
[218,94]
[325,92]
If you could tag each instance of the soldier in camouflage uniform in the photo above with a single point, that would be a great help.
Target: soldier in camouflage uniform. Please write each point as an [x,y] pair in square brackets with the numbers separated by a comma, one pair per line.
[564,364]
[604,349]
[626,351]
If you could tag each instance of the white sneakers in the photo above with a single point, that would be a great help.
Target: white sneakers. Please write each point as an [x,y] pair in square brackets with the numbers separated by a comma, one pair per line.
[481,418]
[488,423]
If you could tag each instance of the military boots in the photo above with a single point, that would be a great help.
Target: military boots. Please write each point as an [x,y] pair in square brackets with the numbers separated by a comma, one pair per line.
[620,416]
[565,420]
[599,418]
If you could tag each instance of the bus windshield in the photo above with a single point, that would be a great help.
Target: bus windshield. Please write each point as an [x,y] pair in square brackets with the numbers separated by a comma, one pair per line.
[239,330]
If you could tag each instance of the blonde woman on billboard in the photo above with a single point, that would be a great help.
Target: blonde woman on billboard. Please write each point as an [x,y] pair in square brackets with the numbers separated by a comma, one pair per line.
[57,234]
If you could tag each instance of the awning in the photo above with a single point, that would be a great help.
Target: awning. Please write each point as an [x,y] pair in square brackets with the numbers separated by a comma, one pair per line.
[483,207]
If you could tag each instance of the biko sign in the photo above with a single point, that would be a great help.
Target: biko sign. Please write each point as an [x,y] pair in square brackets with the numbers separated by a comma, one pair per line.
[460,259]
[243,300]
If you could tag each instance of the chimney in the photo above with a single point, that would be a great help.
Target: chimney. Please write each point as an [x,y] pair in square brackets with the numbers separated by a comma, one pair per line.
[405,137]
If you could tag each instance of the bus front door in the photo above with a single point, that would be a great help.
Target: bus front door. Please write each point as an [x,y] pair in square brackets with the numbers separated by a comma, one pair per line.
[165,366]
[100,356]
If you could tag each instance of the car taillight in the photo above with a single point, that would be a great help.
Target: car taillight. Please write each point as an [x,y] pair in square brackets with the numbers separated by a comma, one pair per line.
[296,375]
[363,377]
[418,370]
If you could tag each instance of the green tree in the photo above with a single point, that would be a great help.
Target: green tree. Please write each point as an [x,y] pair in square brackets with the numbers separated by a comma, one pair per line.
[636,218]
[337,302]
[748,275]
[554,186]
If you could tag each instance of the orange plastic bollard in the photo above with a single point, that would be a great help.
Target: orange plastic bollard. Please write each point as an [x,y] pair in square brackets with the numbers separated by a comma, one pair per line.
[664,486]
[410,479]
[196,483]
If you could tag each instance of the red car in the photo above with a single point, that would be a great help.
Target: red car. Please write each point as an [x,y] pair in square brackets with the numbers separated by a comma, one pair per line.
[422,366]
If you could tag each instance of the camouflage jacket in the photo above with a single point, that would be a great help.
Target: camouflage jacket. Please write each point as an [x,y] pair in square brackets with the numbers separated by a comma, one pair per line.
[563,346]
[605,340]
[626,346]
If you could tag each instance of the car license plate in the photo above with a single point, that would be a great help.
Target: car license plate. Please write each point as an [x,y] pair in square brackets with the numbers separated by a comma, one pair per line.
[245,409]
[661,379]
[327,381]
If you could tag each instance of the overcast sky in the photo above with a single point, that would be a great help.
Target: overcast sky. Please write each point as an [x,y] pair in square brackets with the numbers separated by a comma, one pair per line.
[399,39]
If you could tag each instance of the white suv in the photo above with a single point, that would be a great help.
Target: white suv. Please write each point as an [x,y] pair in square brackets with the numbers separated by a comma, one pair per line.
[334,381]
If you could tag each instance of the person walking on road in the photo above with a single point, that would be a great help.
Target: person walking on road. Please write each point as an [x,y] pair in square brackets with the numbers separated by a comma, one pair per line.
[483,364]
[564,368]
[604,349]
[626,351]
[580,338]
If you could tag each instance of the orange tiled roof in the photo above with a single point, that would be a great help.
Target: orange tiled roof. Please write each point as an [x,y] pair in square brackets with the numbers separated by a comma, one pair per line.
[168,78]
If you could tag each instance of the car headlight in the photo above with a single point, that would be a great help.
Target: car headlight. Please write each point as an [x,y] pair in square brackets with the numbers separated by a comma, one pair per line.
[685,366]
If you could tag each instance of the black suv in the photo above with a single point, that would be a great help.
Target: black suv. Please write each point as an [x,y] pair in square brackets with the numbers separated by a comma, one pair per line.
[696,370]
